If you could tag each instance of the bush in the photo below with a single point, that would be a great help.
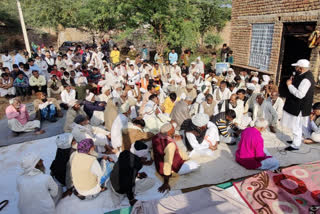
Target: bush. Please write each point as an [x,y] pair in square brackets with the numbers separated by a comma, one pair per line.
[212,39]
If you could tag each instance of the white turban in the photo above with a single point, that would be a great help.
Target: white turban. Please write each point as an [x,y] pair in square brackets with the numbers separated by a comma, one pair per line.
[254,73]
[171,88]
[165,128]
[90,96]
[193,63]
[64,141]
[124,108]
[77,64]
[29,162]
[200,119]
[251,86]
[139,152]
[105,88]
[72,103]
[131,82]
[255,79]
[266,78]
[199,58]
[175,63]
[117,85]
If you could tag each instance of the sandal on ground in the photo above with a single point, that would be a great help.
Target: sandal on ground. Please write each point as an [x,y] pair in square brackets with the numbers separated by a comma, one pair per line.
[3,204]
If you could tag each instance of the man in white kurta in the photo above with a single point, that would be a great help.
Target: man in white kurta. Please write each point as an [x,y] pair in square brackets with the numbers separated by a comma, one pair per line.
[121,122]
[277,103]
[221,93]
[210,140]
[235,104]
[263,109]
[37,190]
[297,123]
[7,61]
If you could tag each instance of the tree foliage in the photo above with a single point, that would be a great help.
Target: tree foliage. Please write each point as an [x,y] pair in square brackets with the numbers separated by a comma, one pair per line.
[174,23]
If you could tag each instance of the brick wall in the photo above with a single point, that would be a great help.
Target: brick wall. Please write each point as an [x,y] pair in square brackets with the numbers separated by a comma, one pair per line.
[248,12]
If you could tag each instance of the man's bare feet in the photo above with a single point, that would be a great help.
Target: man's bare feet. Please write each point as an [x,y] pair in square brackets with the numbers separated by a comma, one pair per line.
[38,132]
[308,141]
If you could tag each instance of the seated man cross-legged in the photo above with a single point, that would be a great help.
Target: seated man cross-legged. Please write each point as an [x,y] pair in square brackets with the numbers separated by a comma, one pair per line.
[126,171]
[89,177]
[201,135]
[168,158]
[18,118]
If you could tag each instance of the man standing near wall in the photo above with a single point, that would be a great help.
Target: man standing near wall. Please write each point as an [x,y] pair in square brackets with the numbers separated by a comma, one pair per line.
[298,105]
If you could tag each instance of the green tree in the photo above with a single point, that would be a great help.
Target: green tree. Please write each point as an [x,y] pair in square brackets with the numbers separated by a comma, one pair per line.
[171,22]
[9,14]
[44,13]
[213,14]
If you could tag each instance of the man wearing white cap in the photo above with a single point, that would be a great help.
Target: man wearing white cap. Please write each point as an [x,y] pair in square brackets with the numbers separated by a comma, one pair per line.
[193,68]
[198,80]
[134,92]
[59,165]
[67,95]
[117,90]
[168,158]
[255,82]
[251,97]
[201,135]
[106,94]
[175,70]
[36,189]
[200,65]
[263,109]
[121,122]
[222,93]
[298,105]
[230,76]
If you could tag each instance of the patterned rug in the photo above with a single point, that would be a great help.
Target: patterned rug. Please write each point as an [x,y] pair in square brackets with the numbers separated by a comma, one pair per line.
[295,190]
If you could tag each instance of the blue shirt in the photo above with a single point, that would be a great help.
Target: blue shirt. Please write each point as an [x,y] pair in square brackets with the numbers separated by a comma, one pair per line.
[18,58]
[173,57]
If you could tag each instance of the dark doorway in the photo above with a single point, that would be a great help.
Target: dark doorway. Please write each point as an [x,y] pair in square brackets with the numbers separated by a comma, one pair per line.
[294,47]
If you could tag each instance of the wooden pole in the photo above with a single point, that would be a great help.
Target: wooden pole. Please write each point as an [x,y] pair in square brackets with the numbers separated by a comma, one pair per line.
[24,30]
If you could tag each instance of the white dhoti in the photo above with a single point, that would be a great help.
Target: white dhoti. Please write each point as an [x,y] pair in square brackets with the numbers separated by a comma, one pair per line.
[296,124]
[154,123]
[141,186]
[9,91]
[97,118]
[188,167]
[315,136]
[101,139]
[16,126]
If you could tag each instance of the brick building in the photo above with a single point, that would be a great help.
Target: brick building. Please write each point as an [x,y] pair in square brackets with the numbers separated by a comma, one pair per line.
[269,35]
